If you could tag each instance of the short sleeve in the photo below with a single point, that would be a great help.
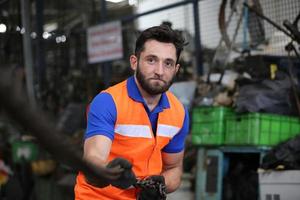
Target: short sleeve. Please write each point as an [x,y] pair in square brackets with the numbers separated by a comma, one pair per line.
[177,142]
[101,117]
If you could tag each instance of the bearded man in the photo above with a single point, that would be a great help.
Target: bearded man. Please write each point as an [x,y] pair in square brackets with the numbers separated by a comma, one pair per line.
[138,124]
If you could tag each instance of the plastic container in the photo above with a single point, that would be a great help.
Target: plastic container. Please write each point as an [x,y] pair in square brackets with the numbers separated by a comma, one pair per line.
[208,125]
[260,129]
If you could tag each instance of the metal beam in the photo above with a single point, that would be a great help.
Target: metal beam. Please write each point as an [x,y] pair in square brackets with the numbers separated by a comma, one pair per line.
[27,50]
[198,48]
[40,53]
[106,66]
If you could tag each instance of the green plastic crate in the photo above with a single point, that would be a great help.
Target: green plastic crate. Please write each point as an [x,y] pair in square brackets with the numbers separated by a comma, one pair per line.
[208,125]
[260,129]
[208,114]
[24,151]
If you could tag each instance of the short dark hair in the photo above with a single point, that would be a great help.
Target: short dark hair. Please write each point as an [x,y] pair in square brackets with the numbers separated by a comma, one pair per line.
[162,33]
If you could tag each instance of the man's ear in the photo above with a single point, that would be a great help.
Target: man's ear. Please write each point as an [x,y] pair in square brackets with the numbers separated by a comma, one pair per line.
[177,67]
[133,62]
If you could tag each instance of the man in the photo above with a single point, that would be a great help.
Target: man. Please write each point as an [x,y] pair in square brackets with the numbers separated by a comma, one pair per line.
[138,124]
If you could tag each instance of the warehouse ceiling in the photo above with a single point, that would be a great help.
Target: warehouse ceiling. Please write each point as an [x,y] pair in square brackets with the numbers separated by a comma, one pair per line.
[60,19]
[63,36]
[63,13]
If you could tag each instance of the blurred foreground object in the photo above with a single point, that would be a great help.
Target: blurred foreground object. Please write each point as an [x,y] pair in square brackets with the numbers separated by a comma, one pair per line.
[53,141]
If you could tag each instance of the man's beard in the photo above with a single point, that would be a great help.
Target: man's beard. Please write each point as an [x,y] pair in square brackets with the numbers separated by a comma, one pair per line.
[152,89]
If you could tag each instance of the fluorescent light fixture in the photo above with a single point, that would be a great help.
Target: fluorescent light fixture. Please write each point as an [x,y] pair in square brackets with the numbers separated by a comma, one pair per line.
[50,27]
[115,1]
[2,28]
[132,2]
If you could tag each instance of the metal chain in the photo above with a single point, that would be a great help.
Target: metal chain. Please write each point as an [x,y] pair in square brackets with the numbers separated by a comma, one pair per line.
[150,184]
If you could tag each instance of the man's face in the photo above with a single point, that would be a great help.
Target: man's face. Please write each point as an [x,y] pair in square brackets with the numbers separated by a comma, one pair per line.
[156,66]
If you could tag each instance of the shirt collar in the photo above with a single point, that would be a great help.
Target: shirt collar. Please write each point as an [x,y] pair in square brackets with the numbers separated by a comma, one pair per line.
[134,93]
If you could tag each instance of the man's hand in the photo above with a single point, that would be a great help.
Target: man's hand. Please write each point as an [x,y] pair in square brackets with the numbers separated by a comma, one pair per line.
[156,190]
[127,177]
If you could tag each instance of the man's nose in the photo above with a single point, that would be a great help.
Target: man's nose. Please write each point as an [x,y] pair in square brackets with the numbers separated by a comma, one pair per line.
[159,68]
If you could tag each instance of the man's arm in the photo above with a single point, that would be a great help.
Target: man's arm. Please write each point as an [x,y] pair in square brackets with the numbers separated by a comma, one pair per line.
[172,169]
[172,157]
[100,129]
[96,149]
[98,140]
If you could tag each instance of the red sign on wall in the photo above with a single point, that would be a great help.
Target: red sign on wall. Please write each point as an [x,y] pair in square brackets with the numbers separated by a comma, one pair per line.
[104,42]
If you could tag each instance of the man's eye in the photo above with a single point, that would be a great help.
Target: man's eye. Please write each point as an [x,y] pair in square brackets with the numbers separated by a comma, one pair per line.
[151,60]
[169,64]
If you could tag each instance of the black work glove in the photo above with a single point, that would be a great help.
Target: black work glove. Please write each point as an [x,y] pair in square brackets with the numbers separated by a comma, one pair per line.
[156,189]
[127,177]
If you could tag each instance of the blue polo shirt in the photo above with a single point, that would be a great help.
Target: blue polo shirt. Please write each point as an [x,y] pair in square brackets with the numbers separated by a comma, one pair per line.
[103,114]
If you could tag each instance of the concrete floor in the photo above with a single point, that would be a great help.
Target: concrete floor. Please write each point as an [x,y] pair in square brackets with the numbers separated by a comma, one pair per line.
[183,192]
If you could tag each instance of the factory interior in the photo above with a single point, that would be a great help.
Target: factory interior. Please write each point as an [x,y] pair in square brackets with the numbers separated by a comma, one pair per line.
[237,90]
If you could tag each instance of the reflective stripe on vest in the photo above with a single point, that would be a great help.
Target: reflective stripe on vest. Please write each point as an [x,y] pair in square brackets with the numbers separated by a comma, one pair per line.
[145,132]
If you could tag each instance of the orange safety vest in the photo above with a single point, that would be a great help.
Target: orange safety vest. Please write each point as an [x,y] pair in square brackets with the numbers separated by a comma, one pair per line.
[135,141]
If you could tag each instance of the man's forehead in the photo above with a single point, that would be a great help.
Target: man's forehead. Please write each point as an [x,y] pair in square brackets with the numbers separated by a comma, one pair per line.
[153,42]
[156,48]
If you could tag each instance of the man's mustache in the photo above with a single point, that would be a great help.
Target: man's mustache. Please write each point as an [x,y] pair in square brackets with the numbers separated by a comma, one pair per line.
[157,78]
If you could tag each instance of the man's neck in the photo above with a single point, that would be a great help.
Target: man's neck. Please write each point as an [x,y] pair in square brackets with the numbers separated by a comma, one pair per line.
[150,100]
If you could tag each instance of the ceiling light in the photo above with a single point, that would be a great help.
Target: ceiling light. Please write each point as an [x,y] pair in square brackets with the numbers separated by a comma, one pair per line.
[63,38]
[46,35]
[2,28]
[22,31]
[50,27]
[58,39]
[33,35]
[132,2]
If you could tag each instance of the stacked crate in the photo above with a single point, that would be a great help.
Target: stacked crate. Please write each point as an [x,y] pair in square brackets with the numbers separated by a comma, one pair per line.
[213,126]
[260,129]
[208,125]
